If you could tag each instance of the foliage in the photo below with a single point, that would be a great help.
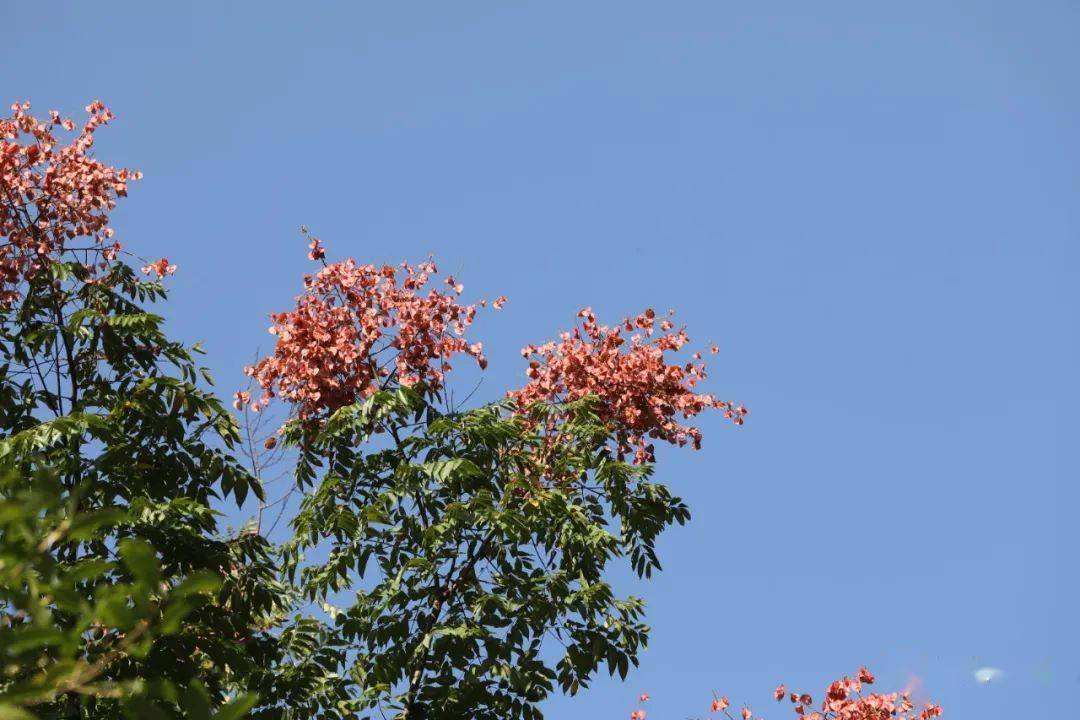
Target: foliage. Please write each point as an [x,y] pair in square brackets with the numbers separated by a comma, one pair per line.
[468,550]
[119,595]
[469,544]
[79,636]
[459,559]
[467,567]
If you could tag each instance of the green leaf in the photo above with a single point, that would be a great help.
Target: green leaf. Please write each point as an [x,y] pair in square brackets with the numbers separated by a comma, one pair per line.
[237,708]
[26,638]
[12,712]
[140,707]
[196,701]
[140,559]
[86,525]
[200,583]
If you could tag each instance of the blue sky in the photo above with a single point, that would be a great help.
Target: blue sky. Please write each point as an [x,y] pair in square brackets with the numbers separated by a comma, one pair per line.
[872,207]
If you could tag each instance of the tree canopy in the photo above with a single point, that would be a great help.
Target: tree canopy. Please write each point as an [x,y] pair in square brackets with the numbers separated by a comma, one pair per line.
[444,562]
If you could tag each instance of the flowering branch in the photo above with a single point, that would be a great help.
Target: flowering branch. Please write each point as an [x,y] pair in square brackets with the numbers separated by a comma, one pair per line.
[844,700]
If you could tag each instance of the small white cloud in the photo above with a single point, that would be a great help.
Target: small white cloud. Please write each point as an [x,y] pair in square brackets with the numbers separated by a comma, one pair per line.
[986,675]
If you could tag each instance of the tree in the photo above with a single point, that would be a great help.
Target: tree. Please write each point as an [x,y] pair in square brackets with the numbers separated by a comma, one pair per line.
[459,557]
[118,594]
[473,539]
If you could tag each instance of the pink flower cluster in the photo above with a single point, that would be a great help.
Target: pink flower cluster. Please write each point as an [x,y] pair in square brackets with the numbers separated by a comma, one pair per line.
[53,194]
[160,268]
[843,701]
[357,328]
[625,366]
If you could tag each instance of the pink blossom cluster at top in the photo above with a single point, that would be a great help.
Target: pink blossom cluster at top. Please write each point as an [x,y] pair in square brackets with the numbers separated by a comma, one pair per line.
[625,366]
[357,328]
[844,700]
[53,194]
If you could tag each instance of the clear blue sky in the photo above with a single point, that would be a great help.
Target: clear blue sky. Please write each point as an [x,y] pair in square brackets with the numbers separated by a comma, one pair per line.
[872,207]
